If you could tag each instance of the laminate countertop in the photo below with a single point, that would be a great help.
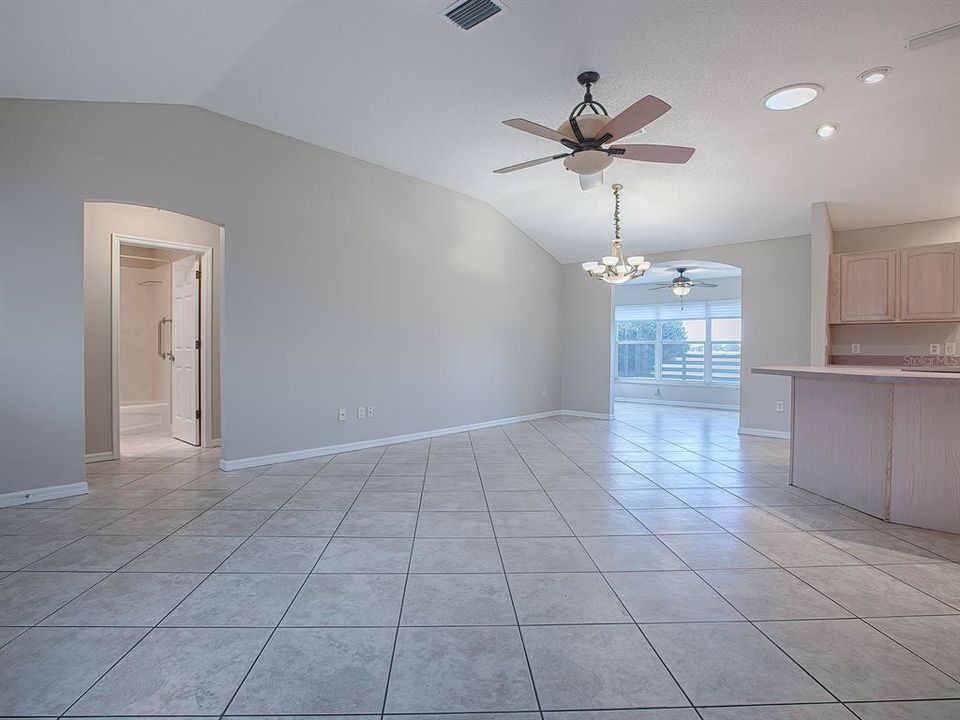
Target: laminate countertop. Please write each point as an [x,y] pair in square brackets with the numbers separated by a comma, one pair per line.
[862,372]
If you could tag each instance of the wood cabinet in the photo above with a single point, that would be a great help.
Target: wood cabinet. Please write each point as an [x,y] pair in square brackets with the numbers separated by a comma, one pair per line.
[930,282]
[868,286]
[918,284]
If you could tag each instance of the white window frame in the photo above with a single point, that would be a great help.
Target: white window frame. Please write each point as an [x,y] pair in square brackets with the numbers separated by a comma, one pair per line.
[658,353]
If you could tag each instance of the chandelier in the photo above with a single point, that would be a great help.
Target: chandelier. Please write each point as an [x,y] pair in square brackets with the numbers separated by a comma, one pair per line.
[615,268]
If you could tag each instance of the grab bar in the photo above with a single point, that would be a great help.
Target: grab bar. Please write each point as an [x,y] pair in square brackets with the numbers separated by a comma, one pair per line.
[160,352]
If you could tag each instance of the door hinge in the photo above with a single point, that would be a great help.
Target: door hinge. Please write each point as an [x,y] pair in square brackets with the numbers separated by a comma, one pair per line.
[198,274]
[197,415]
[197,345]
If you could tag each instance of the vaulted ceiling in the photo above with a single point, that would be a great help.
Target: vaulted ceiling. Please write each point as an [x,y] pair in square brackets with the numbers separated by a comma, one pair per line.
[392,82]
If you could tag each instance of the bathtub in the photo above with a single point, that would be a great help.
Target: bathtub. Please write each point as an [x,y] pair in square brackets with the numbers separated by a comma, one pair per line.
[143,415]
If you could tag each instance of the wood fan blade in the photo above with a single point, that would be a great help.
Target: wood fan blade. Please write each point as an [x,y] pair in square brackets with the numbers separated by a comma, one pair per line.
[535,129]
[588,182]
[637,116]
[529,163]
[655,153]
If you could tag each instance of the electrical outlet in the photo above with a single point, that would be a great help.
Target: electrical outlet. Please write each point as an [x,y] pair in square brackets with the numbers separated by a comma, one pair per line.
[361,413]
[950,348]
[342,417]
[779,405]
[855,349]
[543,392]
[369,411]
[934,348]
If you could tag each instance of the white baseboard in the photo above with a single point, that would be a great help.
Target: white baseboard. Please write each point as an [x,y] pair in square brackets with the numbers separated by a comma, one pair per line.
[584,414]
[759,432]
[53,492]
[256,461]
[680,403]
[101,456]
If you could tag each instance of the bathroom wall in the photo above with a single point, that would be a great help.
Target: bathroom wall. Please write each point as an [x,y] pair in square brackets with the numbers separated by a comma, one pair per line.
[144,299]
[900,343]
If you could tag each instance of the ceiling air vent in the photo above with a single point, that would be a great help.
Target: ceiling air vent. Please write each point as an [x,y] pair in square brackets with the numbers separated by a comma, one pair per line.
[470,13]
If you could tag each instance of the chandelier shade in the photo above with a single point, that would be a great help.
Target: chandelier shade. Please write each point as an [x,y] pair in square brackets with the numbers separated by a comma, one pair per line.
[615,268]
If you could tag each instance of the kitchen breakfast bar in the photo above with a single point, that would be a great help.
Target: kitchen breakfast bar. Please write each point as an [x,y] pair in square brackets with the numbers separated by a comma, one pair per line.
[880,440]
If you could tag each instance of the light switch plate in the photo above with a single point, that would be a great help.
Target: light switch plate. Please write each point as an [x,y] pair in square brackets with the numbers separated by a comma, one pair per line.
[950,348]
[361,413]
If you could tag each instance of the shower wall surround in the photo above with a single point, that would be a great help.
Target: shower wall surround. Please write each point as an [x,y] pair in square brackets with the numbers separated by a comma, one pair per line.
[144,300]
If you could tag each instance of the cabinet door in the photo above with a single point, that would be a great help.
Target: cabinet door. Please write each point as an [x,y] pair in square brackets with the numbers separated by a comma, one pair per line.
[929,278]
[868,286]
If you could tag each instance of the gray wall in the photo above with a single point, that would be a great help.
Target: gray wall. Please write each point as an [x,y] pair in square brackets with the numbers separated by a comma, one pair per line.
[587,317]
[100,219]
[640,294]
[345,284]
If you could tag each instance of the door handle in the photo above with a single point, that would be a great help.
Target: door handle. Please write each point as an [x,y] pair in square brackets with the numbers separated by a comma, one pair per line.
[160,351]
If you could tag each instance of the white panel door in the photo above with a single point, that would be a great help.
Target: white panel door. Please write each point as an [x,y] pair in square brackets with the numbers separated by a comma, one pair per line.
[186,355]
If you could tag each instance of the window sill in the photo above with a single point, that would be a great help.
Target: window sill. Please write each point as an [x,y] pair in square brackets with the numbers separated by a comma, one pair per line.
[677,383]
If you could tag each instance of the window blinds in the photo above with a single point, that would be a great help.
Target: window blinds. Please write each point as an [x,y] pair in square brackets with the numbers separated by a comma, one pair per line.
[675,311]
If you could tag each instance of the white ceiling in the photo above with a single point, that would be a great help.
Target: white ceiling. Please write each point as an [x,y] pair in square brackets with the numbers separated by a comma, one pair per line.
[390,81]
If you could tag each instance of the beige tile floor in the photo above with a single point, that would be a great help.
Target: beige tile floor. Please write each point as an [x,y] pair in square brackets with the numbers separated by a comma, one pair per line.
[655,567]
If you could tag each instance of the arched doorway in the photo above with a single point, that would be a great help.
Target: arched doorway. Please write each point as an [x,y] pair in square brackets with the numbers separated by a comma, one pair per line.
[677,337]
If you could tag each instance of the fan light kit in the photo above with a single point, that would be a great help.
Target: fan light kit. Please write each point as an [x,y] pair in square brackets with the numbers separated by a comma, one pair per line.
[615,268]
[827,130]
[585,134]
[681,285]
[792,96]
[874,75]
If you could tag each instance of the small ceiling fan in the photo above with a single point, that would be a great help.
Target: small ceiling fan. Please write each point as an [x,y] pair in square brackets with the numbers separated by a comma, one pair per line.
[587,134]
[681,285]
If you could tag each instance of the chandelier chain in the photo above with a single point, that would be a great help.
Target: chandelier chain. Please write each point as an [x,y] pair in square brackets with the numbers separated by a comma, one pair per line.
[615,268]
[616,212]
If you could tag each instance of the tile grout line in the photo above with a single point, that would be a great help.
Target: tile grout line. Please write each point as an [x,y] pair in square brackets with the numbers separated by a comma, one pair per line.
[790,657]
[406,579]
[182,600]
[616,594]
[306,578]
[589,440]
[503,567]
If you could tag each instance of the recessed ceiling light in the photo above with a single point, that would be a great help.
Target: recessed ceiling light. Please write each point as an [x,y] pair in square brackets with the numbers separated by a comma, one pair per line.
[827,130]
[874,75]
[792,96]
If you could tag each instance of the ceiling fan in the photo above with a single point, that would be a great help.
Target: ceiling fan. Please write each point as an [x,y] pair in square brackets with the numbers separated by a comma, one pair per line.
[586,135]
[681,285]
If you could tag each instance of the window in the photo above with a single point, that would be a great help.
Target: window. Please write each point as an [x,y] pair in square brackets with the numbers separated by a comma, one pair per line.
[664,343]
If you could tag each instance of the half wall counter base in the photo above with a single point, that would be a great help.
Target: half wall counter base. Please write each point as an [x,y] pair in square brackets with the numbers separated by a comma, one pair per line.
[879,440]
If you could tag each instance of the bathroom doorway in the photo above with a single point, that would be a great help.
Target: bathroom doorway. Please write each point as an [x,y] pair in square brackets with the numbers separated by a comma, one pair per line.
[153,297]
[159,320]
